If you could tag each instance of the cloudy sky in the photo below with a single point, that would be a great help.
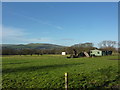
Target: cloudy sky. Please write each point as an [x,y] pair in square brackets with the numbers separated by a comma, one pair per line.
[62,23]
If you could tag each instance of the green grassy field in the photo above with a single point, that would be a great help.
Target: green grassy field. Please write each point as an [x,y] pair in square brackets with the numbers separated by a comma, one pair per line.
[47,71]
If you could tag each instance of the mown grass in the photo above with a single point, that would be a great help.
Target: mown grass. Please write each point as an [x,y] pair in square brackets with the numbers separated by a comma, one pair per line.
[47,71]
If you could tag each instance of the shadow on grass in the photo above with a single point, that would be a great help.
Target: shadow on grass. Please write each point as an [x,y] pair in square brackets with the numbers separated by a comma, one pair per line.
[34,68]
[15,63]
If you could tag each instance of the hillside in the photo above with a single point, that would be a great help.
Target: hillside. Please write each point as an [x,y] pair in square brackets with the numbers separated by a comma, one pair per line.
[32,46]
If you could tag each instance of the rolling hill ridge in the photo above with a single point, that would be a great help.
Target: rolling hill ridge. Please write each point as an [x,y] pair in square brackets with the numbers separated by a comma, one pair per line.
[32,46]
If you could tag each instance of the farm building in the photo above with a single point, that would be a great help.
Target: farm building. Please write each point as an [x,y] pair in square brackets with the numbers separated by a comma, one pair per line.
[95,52]
[99,53]
[106,53]
[63,53]
[91,53]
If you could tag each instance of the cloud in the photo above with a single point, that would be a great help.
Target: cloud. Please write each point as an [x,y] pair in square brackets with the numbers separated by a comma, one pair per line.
[12,32]
[17,35]
[35,40]
[67,39]
[59,27]
[38,20]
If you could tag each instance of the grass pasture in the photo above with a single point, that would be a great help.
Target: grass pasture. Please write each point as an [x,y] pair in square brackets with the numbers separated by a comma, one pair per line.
[47,71]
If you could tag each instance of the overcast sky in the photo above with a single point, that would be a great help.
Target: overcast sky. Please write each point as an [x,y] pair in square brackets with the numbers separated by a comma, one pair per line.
[59,23]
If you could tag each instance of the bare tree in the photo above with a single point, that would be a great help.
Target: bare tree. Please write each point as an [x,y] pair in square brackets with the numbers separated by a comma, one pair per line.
[106,43]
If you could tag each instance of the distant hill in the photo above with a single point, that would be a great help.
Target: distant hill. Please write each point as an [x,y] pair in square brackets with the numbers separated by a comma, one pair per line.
[32,46]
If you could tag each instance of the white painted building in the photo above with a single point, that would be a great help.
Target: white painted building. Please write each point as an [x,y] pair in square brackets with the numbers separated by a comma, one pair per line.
[63,53]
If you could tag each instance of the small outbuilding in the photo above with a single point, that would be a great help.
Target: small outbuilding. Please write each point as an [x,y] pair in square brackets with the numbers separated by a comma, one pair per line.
[63,53]
[95,52]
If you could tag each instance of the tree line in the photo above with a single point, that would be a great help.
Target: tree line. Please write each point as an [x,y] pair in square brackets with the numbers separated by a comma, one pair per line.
[104,45]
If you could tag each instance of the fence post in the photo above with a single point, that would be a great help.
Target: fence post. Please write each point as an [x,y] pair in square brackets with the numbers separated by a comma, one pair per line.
[66,81]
